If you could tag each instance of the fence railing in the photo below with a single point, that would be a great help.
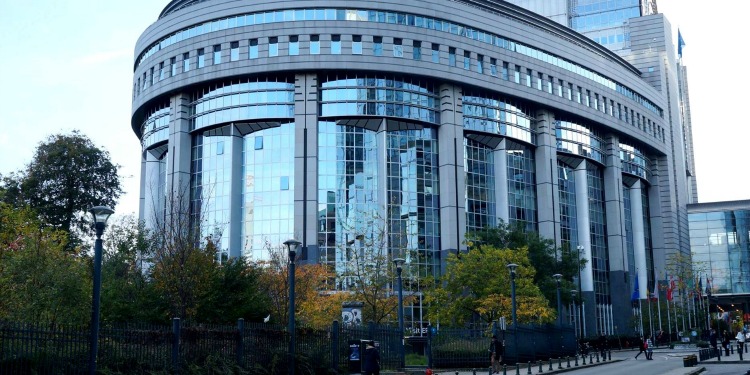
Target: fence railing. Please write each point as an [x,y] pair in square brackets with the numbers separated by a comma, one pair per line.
[138,348]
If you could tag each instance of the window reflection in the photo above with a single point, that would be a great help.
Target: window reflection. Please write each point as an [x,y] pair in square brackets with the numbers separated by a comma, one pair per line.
[497,115]
[582,140]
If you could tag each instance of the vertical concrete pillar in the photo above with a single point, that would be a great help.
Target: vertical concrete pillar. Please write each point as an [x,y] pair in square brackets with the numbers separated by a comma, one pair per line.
[306,165]
[639,239]
[179,156]
[548,198]
[151,197]
[500,156]
[452,175]
[584,240]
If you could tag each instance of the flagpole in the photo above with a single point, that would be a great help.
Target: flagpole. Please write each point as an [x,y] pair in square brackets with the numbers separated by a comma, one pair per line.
[650,322]
[658,304]
[640,314]
[669,321]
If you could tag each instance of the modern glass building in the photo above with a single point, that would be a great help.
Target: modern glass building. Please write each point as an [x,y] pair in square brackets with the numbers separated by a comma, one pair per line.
[720,245]
[312,119]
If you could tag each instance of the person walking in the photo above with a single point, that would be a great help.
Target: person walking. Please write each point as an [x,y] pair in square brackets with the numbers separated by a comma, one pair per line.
[641,348]
[726,340]
[649,348]
[497,349]
[740,342]
[372,360]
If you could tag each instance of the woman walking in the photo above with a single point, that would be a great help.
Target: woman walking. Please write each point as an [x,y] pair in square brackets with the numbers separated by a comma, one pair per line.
[649,348]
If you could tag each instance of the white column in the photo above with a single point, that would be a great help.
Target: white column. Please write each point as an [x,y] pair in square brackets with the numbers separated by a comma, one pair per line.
[639,238]
[584,231]
[151,195]
[501,182]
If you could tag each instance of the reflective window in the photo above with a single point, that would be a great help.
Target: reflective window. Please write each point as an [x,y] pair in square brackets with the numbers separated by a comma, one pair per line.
[579,139]
[173,66]
[201,59]
[370,95]
[155,126]
[356,44]
[517,75]
[436,53]
[598,227]
[539,81]
[467,60]
[498,115]
[248,98]
[416,50]
[336,44]
[451,56]
[568,212]
[505,75]
[634,161]
[522,187]
[234,52]
[479,169]
[253,49]
[493,67]
[217,54]
[559,87]
[185,61]
[293,45]
[267,190]
[162,71]
[398,49]
[314,44]
[155,77]
[480,64]
[528,77]
[273,46]
[377,46]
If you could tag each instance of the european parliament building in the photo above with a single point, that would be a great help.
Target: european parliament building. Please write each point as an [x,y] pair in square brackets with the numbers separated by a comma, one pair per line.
[307,119]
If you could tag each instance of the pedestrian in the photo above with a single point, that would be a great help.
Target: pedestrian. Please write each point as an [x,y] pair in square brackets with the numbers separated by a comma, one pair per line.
[741,342]
[497,349]
[372,360]
[726,340]
[649,348]
[712,338]
[641,348]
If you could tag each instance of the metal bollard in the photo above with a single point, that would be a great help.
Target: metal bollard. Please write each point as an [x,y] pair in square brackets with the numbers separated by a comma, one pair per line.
[529,370]
[584,359]
[550,365]
[540,367]
[576,360]
[490,372]
[505,369]
[474,371]
[731,347]
[559,363]
[591,358]
[568,362]
[610,355]
[518,368]
[597,358]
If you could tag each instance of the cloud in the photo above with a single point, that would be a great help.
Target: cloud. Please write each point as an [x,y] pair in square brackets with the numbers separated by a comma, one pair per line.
[102,57]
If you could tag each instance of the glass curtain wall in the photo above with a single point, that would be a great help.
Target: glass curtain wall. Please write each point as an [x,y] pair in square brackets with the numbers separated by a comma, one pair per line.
[479,166]
[630,245]
[267,191]
[569,224]
[599,253]
[522,187]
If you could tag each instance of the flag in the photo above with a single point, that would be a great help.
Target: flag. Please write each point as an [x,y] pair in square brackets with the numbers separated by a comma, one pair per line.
[267,319]
[670,290]
[680,43]
[699,291]
[655,296]
[708,287]
[636,293]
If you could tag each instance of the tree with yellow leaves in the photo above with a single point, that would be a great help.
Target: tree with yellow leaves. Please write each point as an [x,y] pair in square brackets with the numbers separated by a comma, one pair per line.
[477,285]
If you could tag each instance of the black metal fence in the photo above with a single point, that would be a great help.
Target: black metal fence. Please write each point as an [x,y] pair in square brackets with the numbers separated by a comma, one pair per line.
[254,348]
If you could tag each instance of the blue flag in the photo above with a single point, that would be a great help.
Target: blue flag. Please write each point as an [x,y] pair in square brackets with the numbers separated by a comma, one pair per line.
[636,292]
[680,43]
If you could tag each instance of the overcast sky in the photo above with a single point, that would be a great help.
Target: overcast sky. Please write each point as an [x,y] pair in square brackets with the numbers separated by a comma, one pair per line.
[67,64]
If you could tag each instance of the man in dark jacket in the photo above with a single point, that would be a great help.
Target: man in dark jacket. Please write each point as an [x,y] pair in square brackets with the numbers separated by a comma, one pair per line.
[372,360]
[496,354]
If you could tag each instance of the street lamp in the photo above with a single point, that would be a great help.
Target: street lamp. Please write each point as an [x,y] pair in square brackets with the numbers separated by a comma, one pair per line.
[399,267]
[100,215]
[512,267]
[291,245]
[557,278]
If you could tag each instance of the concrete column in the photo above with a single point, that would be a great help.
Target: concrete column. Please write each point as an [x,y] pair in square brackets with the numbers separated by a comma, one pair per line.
[179,156]
[616,241]
[547,195]
[452,175]
[582,221]
[500,157]
[306,165]
[142,190]
[151,197]
[639,239]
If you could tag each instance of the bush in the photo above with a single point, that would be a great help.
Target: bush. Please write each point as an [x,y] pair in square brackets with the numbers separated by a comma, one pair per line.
[702,344]
[413,359]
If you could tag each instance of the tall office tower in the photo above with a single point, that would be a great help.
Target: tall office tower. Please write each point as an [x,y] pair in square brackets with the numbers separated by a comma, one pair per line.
[279,119]
[638,33]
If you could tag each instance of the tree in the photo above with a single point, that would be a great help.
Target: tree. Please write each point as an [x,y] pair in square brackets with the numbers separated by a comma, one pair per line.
[39,281]
[477,285]
[235,292]
[543,255]
[67,176]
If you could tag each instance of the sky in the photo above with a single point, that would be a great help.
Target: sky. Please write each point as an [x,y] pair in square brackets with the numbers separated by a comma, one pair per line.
[68,64]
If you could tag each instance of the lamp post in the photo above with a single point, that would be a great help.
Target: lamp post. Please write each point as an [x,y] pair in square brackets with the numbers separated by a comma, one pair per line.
[291,245]
[100,215]
[557,278]
[574,311]
[512,268]
[399,268]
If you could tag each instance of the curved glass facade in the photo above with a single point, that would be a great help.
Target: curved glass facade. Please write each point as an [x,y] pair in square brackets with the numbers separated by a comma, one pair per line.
[267,190]
[522,187]
[566,181]
[389,96]
[575,138]
[479,169]
[635,162]
[498,116]
[244,99]
[397,18]
[155,128]
[599,252]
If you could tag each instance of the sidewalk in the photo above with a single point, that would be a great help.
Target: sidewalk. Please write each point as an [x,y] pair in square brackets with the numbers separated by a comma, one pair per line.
[733,358]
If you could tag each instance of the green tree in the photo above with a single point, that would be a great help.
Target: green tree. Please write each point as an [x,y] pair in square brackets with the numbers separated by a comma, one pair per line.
[234,293]
[39,281]
[543,255]
[67,175]
[477,285]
